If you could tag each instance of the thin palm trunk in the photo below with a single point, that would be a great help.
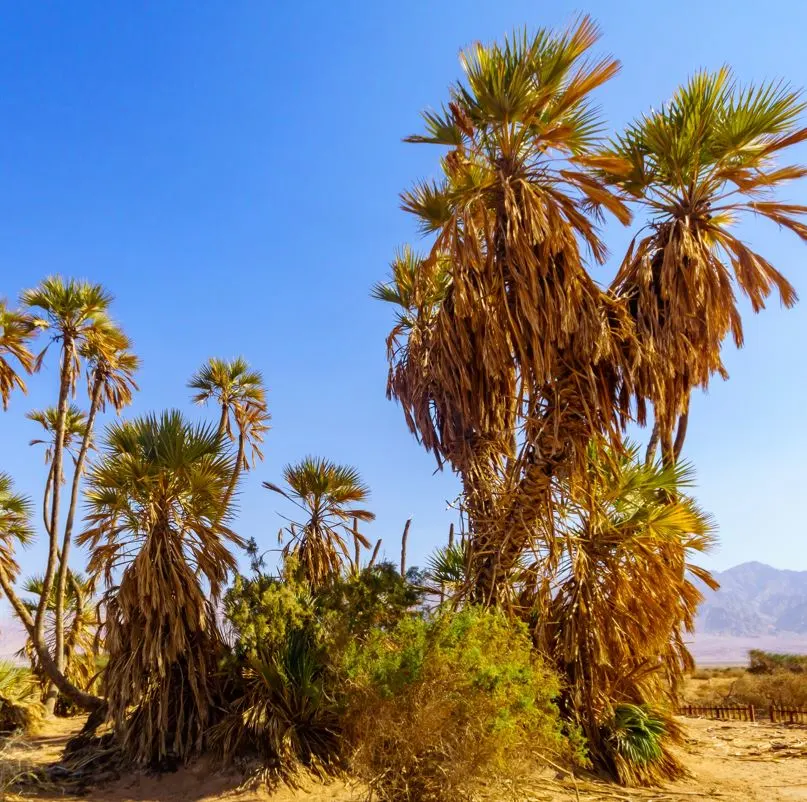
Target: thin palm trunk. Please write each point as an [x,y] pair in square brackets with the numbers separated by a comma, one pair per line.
[236,470]
[83,699]
[61,581]
[223,420]
[652,446]
[680,435]
[53,549]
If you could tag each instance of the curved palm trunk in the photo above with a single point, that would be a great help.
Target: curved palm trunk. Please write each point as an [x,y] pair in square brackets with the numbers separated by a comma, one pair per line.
[83,699]
[652,446]
[236,470]
[61,580]
[680,435]
[38,635]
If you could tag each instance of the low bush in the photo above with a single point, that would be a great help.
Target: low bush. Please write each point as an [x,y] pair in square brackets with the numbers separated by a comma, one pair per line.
[760,662]
[433,706]
[20,706]
[780,688]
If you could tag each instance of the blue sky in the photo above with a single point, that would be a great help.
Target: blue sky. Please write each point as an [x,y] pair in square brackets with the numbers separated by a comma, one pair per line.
[230,171]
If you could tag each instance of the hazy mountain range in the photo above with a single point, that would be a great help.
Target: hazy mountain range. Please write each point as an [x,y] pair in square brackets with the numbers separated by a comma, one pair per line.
[757,607]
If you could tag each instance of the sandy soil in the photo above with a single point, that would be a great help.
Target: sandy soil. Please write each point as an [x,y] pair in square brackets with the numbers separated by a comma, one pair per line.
[731,761]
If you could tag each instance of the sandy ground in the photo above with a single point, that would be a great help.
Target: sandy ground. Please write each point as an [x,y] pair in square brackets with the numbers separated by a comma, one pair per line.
[731,761]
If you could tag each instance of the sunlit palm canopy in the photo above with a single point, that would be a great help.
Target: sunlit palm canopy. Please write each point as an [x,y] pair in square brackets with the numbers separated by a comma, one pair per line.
[695,167]
[233,385]
[75,427]
[110,361]
[329,495]
[516,352]
[16,331]
[71,310]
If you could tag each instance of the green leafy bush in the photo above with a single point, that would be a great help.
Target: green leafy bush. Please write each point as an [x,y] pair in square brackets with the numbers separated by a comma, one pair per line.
[432,706]
[760,662]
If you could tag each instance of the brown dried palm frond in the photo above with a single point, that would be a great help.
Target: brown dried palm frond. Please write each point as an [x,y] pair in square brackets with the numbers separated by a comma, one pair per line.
[326,493]
[521,347]
[158,517]
[616,595]
[694,167]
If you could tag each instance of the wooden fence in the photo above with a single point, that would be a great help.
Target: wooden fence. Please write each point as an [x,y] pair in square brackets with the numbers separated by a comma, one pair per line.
[776,714]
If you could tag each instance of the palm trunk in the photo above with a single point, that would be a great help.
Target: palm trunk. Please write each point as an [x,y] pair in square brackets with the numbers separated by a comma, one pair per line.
[652,446]
[222,422]
[61,580]
[681,434]
[236,470]
[53,549]
[84,700]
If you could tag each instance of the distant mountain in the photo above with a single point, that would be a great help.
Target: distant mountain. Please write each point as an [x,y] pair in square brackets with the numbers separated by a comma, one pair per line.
[755,599]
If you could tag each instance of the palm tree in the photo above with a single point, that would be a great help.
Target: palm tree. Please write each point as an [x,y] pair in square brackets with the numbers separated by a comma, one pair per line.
[75,429]
[693,168]
[16,330]
[73,312]
[16,529]
[518,363]
[240,393]
[613,596]
[81,645]
[111,366]
[158,531]
[326,492]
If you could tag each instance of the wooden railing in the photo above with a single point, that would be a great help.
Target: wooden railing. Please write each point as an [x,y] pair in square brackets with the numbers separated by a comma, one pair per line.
[776,714]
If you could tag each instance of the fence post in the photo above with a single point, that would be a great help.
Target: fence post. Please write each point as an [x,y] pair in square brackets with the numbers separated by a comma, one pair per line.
[752,714]
[772,714]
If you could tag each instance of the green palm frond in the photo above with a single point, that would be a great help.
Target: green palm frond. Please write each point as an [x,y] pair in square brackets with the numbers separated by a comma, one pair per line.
[16,332]
[16,528]
[327,492]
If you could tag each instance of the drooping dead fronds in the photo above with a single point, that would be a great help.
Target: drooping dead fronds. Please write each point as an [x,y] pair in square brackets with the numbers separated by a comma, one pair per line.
[157,514]
[694,167]
[508,359]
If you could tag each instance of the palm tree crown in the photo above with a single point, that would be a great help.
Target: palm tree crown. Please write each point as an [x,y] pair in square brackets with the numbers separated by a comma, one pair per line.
[327,493]
[694,167]
[16,330]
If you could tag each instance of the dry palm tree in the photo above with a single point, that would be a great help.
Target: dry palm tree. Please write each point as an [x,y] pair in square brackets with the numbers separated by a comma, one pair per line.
[613,599]
[16,330]
[521,359]
[158,532]
[240,393]
[72,312]
[326,492]
[694,167]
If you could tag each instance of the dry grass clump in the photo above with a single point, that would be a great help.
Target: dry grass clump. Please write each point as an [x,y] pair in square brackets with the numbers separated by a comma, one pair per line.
[433,707]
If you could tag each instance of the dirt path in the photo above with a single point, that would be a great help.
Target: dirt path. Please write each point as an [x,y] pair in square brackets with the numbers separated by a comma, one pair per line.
[729,761]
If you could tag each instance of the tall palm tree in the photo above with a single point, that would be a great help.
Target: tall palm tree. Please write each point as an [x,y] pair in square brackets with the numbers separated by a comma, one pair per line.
[72,311]
[16,330]
[111,366]
[693,168]
[241,396]
[158,531]
[326,492]
[75,430]
[521,361]
[81,644]
[615,596]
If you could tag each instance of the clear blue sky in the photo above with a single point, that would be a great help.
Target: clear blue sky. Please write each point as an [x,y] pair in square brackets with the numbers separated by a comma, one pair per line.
[230,171]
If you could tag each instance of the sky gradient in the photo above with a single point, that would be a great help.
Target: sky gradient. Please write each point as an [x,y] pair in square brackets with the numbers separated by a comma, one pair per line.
[230,171]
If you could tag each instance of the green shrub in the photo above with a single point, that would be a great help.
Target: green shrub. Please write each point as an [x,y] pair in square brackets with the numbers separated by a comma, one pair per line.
[433,706]
[760,662]
[20,705]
